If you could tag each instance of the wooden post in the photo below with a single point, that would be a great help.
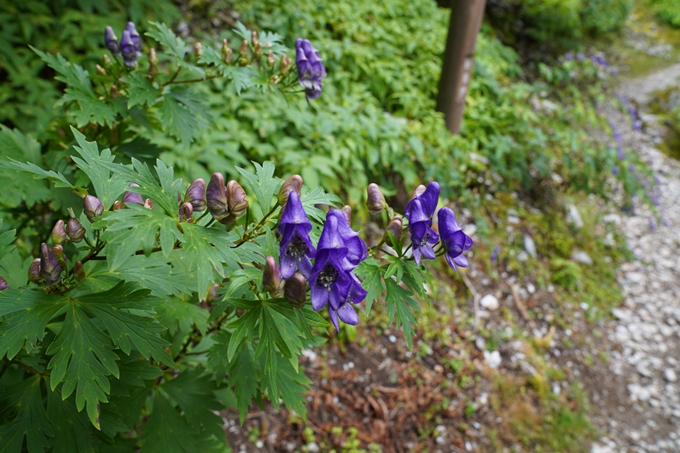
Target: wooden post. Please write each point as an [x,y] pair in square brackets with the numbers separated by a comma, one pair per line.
[466,19]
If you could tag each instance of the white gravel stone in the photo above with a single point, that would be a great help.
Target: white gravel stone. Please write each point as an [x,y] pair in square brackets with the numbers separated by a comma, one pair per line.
[670,375]
[490,302]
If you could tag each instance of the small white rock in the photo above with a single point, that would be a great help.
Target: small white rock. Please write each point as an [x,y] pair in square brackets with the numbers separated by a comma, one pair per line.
[670,375]
[529,245]
[493,358]
[489,302]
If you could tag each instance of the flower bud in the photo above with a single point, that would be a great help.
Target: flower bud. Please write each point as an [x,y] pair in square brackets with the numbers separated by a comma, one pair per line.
[3,284]
[131,197]
[50,269]
[107,61]
[134,36]
[92,207]
[258,50]
[295,290]
[286,64]
[216,196]
[419,191]
[198,49]
[117,205]
[113,91]
[294,183]
[376,200]
[148,204]
[34,271]
[271,59]
[226,51]
[236,198]
[78,271]
[100,70]
[111,41]
[243,52]
[153,62]
[185,212]
[271,278]
[128,49]
[58,233]
[212,295]
[196,195]
[255,39]
[395,227]
[347,212]
[58,251]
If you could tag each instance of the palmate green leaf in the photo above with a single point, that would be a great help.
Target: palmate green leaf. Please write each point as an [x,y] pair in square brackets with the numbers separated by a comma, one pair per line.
[178,315]
[72,431]
[244,375]
[263,184]
[400,303]
[107,185]
[292,387]
[193,390]
[83,357]
[26,313]
[242,77]
[167,431]
[30,421]
[370,271]
[91,109]
[243,327]
[21,186]
[182,113]
[172,44]
[57,179]
[6,241]
[70,73]
[312,197]
[140,90]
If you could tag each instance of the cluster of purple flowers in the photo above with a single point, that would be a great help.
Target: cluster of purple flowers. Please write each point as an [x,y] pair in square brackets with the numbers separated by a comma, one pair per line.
[597,60]
[419,212]
[130,46]
[339,251]
[632,111]
[311,70]
[619,142]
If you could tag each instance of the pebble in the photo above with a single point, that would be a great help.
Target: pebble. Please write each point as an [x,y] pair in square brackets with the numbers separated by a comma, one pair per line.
[493,358]
[489,302]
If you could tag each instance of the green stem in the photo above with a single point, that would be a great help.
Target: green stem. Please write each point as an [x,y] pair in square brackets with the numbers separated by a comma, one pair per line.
[175,82]
[248,235]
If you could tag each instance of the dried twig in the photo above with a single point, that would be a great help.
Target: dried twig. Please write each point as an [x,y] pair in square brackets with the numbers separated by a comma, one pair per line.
[475,294]
[520,306]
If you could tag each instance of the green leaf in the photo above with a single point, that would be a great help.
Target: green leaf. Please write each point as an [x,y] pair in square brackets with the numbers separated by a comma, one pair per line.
[26,314]
[166,430]
[244,327]
[6,242]
[311,198]
[292,385]
[207,249]
[107,186]
[172,44]
[400,303]
[140,91]
[244,378]
[242,78]
[57,179]
[370,271]
[178,315]
[91,109]
[21,186]
[72,431]
[69,73]
[263,184]
[30,420]
[179,119]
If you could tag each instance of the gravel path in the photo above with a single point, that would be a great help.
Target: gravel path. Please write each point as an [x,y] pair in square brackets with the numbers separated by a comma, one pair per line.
[643,411]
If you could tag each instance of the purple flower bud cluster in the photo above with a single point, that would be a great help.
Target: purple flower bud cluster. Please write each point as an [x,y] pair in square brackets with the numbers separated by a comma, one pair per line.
[129,47]
[619,142]
[311,70]
[596,60]
[632,111]
[495,254]
[225,203]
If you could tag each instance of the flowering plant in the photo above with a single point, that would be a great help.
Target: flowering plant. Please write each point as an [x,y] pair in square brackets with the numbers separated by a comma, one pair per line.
[154,305]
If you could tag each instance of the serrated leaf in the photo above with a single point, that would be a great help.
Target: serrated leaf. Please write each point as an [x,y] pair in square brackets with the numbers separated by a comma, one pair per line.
[172,44]
[72,431]
[107,186]
[91,109]
[57,179]
[400,305]
[292,385]
[30,421]
[167,430]
[21,186]
[263,184]
[244,378]
[241,77]
[370,271]
[7,242]
[140,90]
[178,118]
[207,249]
[310,198]
[244,327]
[181,315]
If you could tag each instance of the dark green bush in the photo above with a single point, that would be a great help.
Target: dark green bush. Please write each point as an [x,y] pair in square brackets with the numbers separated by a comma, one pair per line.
[668,10]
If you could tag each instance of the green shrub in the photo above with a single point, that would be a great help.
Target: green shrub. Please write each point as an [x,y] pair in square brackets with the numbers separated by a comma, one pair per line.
[668,10]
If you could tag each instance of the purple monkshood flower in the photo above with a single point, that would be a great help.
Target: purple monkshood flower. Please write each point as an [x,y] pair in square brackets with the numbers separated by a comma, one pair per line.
[455,241]
[356,247]
[495,253]
[580,57]
[419,212]
[332,282]
[296,247]
[127,48]
[311,70]
[569,56]
[134,36]
[615,170]
[111,41]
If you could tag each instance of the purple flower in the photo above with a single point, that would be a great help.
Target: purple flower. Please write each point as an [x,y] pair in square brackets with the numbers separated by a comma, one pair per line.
[311,71]
[569,56]
[50,269]
[332,282]
[132,197]
[615,170]
[296,246]
[419,212]
[127,48]
[134,36]
[494,254]
[455,241]
[356,247]
[580,57]
[111,41]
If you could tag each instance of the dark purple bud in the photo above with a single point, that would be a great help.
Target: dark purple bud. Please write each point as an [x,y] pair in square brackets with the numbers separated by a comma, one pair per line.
[216,195]
[58,233]
[495,253]
[117,205]
[196,195]
[50,269]
[148,204]
[134,36]
[79,272]
[295,291]
[131,197]
[111,41]
[271,277]
[292,184]
[34,271]
[3,284]
[237,200]
[375,202]
[347,212]
[395,227]
[185,212]
[127,48]
[92,207]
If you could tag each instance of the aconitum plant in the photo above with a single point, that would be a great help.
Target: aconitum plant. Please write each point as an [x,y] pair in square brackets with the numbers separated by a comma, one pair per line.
[148,288]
